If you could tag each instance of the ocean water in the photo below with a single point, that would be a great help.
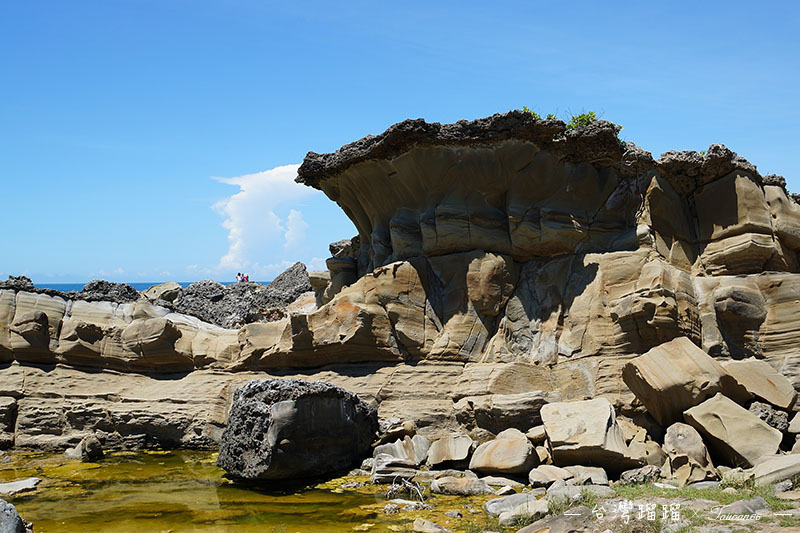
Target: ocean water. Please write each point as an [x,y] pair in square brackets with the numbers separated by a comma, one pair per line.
[138,285]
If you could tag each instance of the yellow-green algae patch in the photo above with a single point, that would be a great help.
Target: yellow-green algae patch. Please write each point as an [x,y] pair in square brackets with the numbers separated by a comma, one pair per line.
[185,491]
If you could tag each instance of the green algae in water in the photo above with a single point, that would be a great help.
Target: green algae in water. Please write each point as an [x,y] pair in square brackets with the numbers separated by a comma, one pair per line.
[185,491]
[176,491]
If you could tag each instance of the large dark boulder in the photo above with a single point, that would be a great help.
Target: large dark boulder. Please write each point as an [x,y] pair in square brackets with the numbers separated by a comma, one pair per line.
[10,521]
[291,429]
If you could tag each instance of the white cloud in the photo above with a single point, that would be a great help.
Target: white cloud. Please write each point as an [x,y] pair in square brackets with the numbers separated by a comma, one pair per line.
[295,229]
[317,263]
[258,237]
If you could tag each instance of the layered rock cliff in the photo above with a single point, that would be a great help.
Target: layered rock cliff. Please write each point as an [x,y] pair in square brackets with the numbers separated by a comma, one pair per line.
[501,256]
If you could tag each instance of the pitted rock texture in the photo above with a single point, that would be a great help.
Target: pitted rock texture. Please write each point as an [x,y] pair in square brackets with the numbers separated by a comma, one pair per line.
[95,291]
[238,304]
[289,429]
[99,290]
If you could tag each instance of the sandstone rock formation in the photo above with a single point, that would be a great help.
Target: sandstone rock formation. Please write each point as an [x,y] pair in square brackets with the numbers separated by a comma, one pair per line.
[675,376]
[689,461]
[586,433]
[500,264]
[735,433]
[763,381]
[289,429]
[510,453]
[88,449]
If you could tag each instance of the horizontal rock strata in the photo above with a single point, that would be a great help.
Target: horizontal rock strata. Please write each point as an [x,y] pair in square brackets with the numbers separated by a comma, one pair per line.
[500,264]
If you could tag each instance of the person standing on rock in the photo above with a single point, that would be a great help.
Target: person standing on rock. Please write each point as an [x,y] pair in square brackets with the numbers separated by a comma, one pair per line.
[238,277]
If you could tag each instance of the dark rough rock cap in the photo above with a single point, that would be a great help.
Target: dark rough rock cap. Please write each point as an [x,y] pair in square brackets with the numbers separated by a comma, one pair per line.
[106,290]
[18,283]
[596,142]
[95,290]
[345,248]
[774,179]
[717,161]
[290,429]
[412,133]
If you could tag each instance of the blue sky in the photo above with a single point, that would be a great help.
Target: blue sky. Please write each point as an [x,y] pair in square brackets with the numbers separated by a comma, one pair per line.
[151,140]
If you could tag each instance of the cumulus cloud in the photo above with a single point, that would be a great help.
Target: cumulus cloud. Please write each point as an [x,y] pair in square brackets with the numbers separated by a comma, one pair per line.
[295,229]
[262,238]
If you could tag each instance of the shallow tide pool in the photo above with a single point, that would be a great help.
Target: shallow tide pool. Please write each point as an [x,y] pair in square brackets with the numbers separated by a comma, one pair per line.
[184,491]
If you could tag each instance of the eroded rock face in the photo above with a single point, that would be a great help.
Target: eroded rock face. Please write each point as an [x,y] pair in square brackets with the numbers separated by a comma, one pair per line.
[289,429]
[494,258]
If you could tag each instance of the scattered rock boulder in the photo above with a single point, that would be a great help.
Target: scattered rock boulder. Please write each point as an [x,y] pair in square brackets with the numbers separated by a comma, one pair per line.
[499,481]
[745,507]
[561,491]
[773,417]
[395,428]
[409,450]
[582,475]
[497,412]
[21,485]
[794,425]
[389,469]
[675,376]
[88,449]
[775,468]
[167,291]
[537,435]
[683,439]
[532,509]
[460,486]
[290,428]
[644,474]
[452,450]
[546,475]
[732,432]
[763,381]
[586,433]
[689,461]
[509,453]
[578,520]
[426,526]
[10,521]
[649,452]
[497,506]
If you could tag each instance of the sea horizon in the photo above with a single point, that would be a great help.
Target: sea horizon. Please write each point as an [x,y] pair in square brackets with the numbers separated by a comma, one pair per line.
[138,285]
